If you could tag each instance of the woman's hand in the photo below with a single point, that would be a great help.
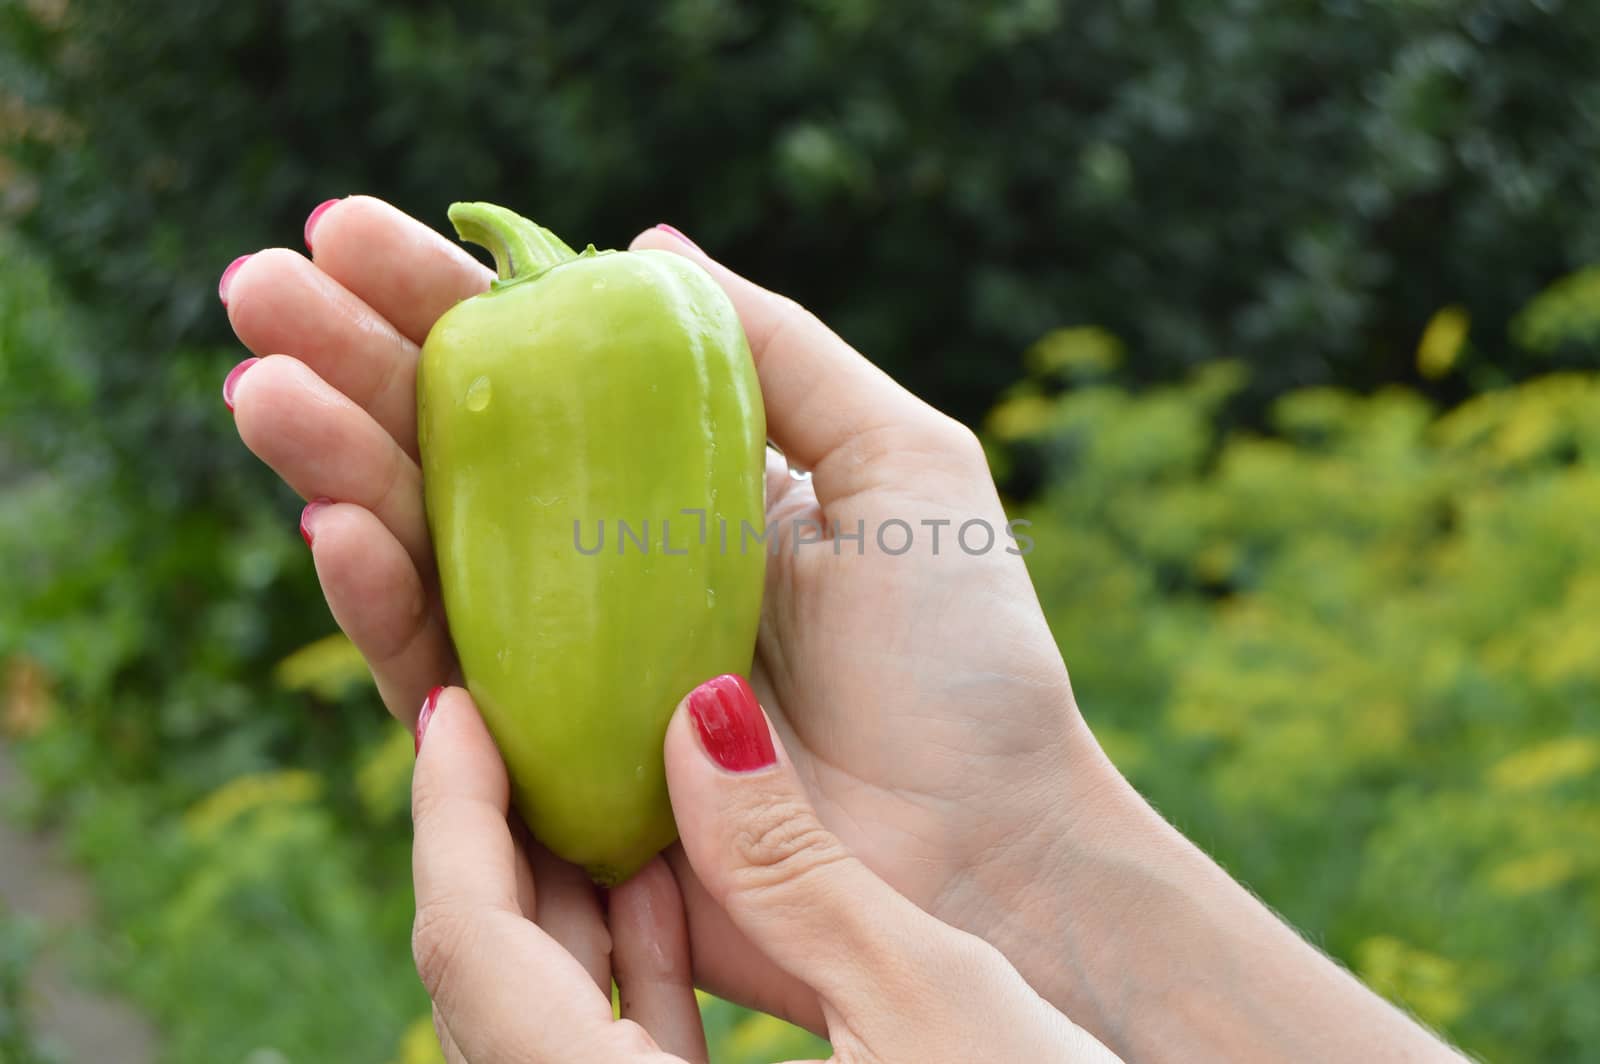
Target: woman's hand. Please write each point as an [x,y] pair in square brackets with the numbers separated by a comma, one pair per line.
[921,695]
[513,950]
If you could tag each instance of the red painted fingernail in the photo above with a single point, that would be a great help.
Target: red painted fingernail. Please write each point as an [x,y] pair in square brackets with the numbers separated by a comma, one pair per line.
[305,517]
[227,278]
[311,219]
[674,231]
[232,381]
[732,729]
[429,704]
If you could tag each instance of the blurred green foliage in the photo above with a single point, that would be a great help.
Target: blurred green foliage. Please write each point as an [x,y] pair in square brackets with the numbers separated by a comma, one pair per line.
[1298,185]
[20,1043]
[1355,658]
[1325,602]
[1352,656]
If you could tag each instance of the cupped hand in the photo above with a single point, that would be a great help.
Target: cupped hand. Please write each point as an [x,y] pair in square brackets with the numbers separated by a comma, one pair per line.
[894,984]
[918,691]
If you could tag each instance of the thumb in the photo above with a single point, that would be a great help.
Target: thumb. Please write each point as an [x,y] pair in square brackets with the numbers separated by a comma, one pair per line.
[785,880]
[823,398]
[895,983]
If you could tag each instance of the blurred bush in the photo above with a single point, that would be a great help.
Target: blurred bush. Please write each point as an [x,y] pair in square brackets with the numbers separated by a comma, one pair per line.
[1335,627]
[1297,185]
[1354,658]
[19,944]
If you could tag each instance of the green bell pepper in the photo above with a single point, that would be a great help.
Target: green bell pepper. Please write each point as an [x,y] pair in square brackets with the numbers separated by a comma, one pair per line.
[592,441]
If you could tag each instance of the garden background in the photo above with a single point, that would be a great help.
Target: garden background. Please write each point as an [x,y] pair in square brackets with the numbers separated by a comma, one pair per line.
[1281,322]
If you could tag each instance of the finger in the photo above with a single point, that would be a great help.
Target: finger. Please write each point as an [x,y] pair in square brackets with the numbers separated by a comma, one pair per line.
[279,303]
[759,849]
[447,1043]
[463,855]
[778,479]
[790,496]
[651,961]
[727,964]
[395,264]
[376,596]
[832,411]
[527,899]
[325,446]
[570,913]
[757,845]
[505,989]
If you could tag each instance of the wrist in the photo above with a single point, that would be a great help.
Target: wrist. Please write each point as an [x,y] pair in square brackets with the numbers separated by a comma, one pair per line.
[1046,896]
[1125,926]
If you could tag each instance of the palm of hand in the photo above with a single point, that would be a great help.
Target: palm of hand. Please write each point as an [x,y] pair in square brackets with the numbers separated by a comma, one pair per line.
[907,686]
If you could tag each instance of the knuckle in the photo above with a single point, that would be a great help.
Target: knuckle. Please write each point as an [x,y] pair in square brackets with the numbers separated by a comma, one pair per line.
[786,847]
[631,1040]
[925,434]
[425,798]
[786,316]
[957,439]
[407,638]
[389,382]
[395,485]
[791,310]
[439,937]
[960,959]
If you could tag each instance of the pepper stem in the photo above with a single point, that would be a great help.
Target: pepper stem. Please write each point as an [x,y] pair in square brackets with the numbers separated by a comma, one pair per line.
[521,248]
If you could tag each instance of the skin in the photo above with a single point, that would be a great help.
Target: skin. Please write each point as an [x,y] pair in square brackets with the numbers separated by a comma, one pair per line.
[590,393]
[921,699]
[504,989]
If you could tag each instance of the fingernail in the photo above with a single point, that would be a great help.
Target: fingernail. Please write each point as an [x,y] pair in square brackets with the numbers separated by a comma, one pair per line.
[673,231]
[305,517]
[311,219]
[429,704]
[732,730]
[227,278]
[232,381]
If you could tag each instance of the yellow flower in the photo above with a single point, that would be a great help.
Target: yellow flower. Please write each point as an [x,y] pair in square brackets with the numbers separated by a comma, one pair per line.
[326,668]
[1021,416]
[383,779]
[1425,982]
[419,1044]
[1546,763]
[1442,342]
[246,793]
[1533,873]
[1083,350]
